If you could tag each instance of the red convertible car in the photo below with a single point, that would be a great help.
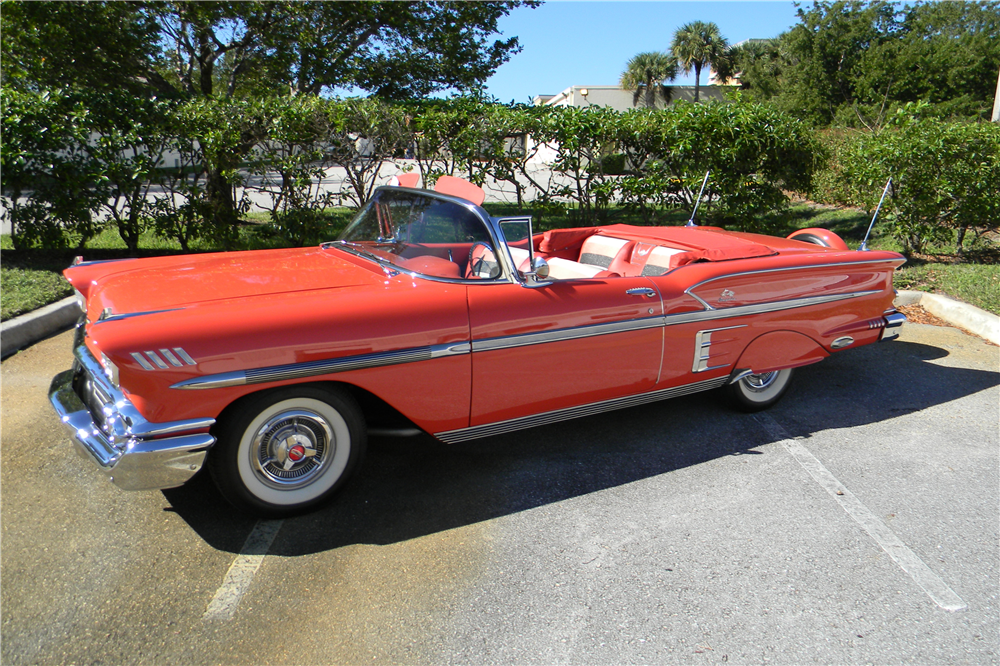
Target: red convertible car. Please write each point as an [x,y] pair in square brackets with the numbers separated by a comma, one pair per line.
[271,367]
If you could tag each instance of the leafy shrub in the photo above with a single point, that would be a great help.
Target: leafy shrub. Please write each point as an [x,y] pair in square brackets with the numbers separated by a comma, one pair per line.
[946,178]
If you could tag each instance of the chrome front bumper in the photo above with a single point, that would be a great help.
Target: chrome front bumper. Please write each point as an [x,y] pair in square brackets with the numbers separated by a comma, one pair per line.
[106,428]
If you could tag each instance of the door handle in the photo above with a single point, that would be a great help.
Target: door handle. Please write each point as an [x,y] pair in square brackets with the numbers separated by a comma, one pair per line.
[641,291]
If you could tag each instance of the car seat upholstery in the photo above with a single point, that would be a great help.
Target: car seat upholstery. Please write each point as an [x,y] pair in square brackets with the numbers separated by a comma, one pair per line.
[600,250]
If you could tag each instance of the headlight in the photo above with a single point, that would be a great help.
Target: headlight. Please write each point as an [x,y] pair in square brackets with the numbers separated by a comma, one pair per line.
[110,369]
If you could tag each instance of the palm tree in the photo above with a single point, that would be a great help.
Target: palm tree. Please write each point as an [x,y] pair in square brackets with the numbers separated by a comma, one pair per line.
[697,44]
[644,76]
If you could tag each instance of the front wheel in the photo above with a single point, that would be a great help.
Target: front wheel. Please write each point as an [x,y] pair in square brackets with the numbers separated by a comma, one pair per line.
[756,392]
[288,450]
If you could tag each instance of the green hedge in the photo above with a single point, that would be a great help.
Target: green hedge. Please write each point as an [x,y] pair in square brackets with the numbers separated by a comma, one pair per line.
[945,175]
[73,166]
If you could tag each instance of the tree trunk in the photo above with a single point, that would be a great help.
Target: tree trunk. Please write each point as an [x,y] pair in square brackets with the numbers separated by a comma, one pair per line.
[219,194]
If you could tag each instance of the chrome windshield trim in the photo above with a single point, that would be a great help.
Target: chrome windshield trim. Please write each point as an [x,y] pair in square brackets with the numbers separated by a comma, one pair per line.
[490,223]
[279,373]
[559,335]
[501,427]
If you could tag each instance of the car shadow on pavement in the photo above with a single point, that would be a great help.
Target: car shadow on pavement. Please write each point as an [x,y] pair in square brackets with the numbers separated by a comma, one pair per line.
[408,488]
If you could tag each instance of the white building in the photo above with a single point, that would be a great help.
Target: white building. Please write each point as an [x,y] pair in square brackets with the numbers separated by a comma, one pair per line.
[619,99]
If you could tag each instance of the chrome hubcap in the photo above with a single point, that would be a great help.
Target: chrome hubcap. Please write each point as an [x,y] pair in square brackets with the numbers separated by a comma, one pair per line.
[291,449]
[760,382]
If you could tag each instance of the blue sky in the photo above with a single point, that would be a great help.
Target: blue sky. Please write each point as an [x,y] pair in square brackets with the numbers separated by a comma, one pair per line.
[572,43]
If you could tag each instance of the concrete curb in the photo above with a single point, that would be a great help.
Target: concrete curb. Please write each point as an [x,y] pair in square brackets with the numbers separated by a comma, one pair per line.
[982,323]
[28,329]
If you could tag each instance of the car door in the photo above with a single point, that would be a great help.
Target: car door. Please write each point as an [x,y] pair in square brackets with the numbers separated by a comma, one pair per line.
[568,343]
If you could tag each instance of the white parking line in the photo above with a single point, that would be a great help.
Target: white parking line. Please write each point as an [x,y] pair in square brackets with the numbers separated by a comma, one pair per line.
[921,574]
[242,571]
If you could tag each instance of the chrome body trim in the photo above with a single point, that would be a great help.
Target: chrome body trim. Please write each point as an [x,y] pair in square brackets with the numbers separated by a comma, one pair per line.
[129,315]
[842,342]
[559,335]
[761,308]
[141,360]
[738,374]
[155,358]
[379,359]
[278,373]
[702,349]
[137,454]
[501,427]
[783,269]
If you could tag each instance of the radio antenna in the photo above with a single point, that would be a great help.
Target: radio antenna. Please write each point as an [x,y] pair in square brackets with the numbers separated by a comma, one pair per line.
[698,201]
[864,243]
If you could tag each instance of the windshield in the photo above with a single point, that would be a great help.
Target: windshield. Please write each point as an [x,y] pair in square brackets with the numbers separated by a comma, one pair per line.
[420,234]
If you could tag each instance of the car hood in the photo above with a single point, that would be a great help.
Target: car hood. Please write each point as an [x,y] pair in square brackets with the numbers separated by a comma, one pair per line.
[143,285]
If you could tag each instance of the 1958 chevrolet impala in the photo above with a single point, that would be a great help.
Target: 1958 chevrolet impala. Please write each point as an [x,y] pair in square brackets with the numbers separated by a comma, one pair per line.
[271,367]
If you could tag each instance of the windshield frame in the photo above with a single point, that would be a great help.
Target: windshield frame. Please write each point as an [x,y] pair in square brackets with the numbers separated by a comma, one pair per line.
[498,242]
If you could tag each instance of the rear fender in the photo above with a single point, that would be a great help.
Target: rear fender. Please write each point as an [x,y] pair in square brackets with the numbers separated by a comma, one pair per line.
[779,350]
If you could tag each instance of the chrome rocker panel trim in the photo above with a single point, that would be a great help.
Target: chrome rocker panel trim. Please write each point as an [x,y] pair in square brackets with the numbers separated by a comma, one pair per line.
[135,453]
[501,427]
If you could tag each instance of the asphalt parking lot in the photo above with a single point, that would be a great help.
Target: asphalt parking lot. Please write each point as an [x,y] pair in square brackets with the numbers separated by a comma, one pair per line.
[855,522]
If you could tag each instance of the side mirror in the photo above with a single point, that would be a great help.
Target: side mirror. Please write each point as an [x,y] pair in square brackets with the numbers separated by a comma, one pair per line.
[540,268]
[538,274]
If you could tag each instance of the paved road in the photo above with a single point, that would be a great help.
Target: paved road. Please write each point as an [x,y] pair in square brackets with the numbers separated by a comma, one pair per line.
[671,533]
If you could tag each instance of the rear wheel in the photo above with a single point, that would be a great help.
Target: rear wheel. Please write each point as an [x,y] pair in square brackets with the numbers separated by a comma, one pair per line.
[756,392]
[288,450]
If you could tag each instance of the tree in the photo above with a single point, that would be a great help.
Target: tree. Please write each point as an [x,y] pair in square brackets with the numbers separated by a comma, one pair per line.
[81,45]
[209,50]
[644,76]
[855,63]
[697,44]
[755,64]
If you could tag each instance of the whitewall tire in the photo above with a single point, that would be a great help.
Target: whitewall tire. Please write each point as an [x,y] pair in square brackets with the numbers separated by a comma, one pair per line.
[287,450]
[756,392]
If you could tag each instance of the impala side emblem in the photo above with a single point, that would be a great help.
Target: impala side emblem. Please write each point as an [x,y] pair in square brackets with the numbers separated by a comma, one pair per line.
[727,296]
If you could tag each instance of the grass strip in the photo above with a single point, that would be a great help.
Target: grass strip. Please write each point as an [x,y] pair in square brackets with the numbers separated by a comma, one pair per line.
[23,290]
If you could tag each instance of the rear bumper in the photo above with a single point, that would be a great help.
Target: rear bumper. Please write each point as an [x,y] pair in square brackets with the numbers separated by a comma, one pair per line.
[136,454]
[893,325]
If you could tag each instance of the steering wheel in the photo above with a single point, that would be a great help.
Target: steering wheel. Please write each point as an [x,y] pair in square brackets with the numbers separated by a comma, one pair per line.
[482,262]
